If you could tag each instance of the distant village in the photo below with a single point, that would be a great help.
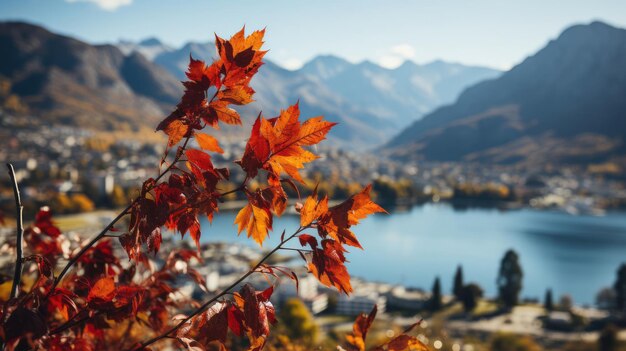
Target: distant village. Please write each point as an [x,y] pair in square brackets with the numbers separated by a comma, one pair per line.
[76,170]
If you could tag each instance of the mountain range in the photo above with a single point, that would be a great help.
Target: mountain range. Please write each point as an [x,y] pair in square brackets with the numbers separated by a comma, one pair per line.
[566,103]
[371,103]
[61,80]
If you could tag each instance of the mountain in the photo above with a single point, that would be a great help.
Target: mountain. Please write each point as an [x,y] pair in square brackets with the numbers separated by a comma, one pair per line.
[566,103]
[325,67]
[401,95]
[277,88]
[177,60]
[370,103]
[149,48]
[62,80]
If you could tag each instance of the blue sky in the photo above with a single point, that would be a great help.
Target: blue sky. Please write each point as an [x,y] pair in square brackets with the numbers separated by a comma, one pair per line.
[497,33]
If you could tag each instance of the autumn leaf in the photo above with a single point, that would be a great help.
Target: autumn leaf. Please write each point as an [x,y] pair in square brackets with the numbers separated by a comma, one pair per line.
[276,145]
[208,142]
[103,291]
[338,220]
[328,265]
[255,221]
[176,131]
[360,328]
[312,209]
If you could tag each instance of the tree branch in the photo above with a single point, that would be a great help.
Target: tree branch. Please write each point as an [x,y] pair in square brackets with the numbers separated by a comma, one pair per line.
[19,243]
[205,305]
[104,231]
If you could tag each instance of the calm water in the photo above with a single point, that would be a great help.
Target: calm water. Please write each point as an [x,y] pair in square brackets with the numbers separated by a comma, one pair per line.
[577,255]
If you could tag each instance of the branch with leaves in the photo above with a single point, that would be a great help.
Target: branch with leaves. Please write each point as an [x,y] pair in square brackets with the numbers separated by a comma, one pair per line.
[77,308]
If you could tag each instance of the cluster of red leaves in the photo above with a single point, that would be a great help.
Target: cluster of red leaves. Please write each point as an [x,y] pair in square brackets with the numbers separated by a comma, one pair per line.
[74,311]
[402,342]
[249,313]
[90,301]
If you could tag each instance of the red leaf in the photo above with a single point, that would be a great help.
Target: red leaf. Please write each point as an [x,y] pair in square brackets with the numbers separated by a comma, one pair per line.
[103,291]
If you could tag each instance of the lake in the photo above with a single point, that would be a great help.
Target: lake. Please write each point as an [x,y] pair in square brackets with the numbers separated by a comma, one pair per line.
[576,255]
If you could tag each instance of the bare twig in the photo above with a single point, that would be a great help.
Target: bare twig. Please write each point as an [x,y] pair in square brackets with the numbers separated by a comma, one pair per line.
[205,305]
[19,244]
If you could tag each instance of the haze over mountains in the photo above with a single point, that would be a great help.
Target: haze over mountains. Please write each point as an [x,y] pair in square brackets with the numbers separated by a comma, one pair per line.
[64,81]
[370,102]
[565,103]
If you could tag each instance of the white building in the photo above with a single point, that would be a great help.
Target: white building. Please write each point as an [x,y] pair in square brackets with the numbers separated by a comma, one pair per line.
[407,299]
[307,291]
[360,302]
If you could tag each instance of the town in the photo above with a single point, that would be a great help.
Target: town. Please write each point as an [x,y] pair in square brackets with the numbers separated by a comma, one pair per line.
[76,170]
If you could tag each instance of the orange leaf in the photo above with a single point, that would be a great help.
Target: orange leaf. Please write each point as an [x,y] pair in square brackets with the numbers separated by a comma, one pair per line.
[328,265]
[360,328]
[175,131]
[102,291]
[312,209]
[208,142]
[314,130]
[239,95]
[255,221]
[225,113]
[337,222]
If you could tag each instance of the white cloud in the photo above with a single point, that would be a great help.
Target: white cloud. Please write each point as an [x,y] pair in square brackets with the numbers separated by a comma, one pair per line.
[405,51]
[390,61]
[292,63]
[108,5]
[397,55]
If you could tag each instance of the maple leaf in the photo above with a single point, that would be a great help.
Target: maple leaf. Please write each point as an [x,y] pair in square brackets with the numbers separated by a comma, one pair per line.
[43,221]
[103,291]
[360,328]
[212,324]
[256,221]
[61,300]
[208,142]
[277,144]
[256,313]
[328,265]
[275,196]
[176,130]
[338,220]
[312,209]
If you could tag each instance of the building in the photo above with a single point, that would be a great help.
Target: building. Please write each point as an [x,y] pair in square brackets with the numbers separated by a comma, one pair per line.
[360,302]
[402,298]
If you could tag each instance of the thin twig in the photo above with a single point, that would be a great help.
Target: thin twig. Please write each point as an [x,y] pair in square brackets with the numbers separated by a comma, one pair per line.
[104,231]
[205,305]
[294,249]
[19,242]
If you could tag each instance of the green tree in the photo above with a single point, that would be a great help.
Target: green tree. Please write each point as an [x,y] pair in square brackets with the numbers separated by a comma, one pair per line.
[435,300]
[510,279]
[457,287]
[608,339]
[298,321]
[620,288]
[548,303]
[470,295]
